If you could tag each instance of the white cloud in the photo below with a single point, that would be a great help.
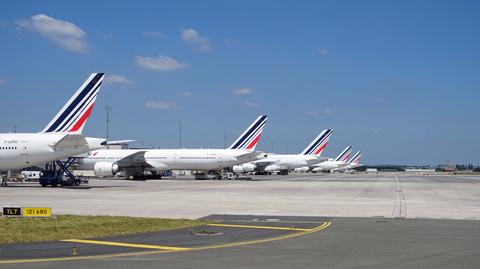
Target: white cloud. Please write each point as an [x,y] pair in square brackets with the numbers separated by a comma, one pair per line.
[243,91]
[193,37]
[63,33]
[160,63]
[250,104]
[2,81]
[153,34]
[119,79]
[186,94]
[323,51]
[166,105]
[323,112]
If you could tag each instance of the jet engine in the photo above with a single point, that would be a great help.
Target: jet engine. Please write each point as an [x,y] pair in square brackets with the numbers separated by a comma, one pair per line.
[302,169]
[105,169]
[319,169]
[272,168]
[243,168]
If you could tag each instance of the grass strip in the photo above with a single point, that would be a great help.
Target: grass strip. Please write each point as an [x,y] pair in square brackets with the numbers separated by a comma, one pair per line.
[15,230]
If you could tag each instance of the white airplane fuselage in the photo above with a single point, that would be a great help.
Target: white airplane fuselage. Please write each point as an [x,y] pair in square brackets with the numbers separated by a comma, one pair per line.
[20,150]
[329,165]
[287,161]
[349,166]
[166,159]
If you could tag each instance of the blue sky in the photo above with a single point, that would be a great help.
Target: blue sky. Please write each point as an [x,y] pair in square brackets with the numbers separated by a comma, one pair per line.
[398,80]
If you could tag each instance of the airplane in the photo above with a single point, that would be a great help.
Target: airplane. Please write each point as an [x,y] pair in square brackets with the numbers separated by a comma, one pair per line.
[353,163]
[61,138]
[285,162]
[134,162]
[331,164]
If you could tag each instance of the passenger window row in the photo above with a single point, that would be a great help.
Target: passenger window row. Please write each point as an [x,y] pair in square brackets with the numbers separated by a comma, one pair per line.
[198,158]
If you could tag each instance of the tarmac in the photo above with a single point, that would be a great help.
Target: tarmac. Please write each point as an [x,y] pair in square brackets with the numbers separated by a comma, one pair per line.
[389,196]
[297,221]
[343,243]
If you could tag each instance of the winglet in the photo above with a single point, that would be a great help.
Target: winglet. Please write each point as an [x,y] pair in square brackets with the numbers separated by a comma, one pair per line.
[250,137]
[318,144]
[343,157]
[74,114]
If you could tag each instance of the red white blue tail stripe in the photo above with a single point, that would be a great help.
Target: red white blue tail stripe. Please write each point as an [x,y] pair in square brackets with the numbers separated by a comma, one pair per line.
[318,144]
[356,158]
[74,114]
[249,139]
[343,157]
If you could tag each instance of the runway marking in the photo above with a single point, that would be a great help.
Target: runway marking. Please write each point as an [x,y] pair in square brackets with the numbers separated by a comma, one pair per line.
[258,227]
[119,244]
[129,254]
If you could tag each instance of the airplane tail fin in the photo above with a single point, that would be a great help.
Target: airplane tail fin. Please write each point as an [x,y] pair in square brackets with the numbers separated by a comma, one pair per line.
[356,158]
[250,137]
[318,144]
[343,157]
[72,117]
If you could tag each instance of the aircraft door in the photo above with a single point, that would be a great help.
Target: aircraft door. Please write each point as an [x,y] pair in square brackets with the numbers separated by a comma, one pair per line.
[219,161]
[23,148]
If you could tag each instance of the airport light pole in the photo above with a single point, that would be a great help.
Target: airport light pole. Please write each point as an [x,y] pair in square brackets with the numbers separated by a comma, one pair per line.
[108,109]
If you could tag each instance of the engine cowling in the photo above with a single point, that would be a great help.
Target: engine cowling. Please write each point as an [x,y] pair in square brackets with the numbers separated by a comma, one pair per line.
[243,168]
[105,169]
[318,169]
[272,168]
[302,169]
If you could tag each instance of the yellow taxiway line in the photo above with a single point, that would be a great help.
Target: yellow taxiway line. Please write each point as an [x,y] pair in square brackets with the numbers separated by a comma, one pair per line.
[128,245]
[165,249]
[259,227]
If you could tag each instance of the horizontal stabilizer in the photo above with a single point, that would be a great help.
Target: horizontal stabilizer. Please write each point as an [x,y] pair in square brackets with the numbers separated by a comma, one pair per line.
[70,141]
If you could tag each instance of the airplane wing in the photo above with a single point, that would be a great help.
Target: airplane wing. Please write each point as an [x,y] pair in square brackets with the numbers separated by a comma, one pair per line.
[70,141]
[136,159]
[251,156]
[260,165]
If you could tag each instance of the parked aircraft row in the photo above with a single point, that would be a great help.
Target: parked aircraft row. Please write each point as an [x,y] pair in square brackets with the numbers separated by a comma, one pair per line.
[63,137]
[108,162]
